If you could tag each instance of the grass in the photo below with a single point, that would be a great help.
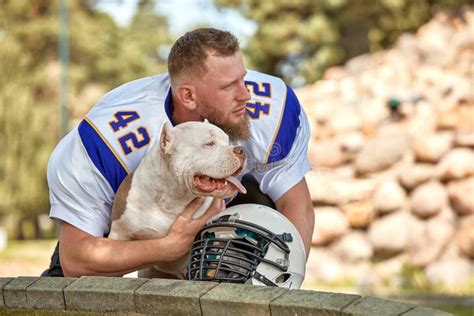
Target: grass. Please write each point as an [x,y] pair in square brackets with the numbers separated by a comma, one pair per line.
[25,257]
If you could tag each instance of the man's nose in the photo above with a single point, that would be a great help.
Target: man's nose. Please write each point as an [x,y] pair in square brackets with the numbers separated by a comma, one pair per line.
[244,92]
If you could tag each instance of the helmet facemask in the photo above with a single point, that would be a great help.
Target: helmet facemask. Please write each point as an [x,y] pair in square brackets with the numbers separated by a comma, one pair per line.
[231,250]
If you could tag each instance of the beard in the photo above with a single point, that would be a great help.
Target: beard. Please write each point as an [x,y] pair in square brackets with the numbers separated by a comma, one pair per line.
[237,130]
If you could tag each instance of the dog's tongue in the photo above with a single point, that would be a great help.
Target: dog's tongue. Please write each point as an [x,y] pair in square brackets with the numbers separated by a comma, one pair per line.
[237,184]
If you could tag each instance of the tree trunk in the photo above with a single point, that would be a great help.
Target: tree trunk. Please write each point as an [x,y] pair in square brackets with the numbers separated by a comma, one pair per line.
[19,232]
[38,231]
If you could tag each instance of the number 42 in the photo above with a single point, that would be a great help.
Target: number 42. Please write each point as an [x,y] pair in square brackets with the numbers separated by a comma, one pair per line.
[134,139]
[255,110]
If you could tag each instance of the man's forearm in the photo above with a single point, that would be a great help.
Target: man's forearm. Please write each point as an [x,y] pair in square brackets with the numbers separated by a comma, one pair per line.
[107,257]
[83,254]
[304,222]
[297,206]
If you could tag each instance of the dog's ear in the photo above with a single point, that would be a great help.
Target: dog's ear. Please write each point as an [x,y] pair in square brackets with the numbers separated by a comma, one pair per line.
[167,139]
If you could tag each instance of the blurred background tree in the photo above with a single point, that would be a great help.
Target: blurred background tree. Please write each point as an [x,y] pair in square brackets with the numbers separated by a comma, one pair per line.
[102,54]
[299,39]
[296,40]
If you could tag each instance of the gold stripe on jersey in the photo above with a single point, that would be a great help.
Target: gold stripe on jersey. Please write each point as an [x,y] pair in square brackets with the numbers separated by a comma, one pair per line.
[107,143]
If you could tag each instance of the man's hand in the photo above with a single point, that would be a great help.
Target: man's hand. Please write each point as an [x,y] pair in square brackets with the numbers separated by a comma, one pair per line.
[184,229]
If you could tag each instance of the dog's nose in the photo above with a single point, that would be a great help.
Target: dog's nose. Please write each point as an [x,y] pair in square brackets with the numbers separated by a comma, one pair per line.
[238,150]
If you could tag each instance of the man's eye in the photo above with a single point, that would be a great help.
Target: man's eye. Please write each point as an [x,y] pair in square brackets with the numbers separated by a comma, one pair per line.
[210,144]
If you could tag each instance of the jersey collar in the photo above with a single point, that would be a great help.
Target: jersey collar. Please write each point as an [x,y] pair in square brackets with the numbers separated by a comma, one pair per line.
[169,107]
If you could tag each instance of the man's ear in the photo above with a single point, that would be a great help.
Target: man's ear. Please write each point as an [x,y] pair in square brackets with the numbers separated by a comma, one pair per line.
[186,96]
[167,139]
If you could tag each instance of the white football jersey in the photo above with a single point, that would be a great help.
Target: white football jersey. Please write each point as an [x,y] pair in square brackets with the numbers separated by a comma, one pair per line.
[88,165]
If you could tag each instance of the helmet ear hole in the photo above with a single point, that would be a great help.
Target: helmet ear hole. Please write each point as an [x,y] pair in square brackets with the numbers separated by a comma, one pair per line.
[282,278]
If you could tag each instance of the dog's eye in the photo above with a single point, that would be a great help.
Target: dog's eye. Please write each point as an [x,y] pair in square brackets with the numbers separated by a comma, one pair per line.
[210,144]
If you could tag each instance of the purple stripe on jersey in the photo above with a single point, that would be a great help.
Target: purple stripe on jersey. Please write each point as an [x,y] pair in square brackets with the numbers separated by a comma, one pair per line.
[169,107]
[102,156]
[288,127]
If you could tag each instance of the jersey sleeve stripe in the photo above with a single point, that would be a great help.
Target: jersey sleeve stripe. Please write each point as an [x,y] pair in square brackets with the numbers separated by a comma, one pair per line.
[102,154]
[285,133]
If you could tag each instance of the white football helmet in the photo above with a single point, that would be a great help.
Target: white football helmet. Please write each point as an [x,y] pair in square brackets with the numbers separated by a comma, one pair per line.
[248,243]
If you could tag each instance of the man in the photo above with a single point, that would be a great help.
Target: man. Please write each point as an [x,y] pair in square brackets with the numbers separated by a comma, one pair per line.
[207,80]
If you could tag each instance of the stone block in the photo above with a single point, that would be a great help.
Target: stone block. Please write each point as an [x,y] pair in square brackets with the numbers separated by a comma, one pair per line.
[368,306]
[47,293]
[425,311]
[3,282]
[102,294]
[14,293]
[304,302]
[239,299]
[171,297]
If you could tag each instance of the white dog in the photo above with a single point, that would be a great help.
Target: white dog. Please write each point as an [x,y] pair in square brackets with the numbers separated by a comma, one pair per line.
[192,159]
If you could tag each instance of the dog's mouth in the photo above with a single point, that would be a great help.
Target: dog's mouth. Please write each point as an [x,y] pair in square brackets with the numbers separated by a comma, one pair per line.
[223,186]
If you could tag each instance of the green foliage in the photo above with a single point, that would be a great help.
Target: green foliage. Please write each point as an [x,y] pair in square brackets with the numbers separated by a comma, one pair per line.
[298,40]
[101,52]
[413,279]
[26,144]
[105,53]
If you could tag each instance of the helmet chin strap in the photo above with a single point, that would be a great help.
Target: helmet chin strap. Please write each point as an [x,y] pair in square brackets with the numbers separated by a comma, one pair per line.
[262,279]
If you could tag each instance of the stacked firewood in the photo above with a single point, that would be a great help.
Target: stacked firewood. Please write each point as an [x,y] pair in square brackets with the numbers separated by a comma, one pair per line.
[392,151]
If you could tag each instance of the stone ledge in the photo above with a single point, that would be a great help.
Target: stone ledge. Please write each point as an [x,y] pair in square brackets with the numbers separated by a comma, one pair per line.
[127,296]
[171,297]
[3,282]
[102,294]
[48,293]
[376,306]
[303,302]
[425,311]
[239,299]
[14,292]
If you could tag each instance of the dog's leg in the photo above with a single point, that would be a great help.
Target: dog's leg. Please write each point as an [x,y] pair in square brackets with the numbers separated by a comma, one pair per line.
[117,232]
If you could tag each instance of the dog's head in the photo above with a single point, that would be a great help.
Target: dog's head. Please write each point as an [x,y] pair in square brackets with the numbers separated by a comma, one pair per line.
[199,154]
